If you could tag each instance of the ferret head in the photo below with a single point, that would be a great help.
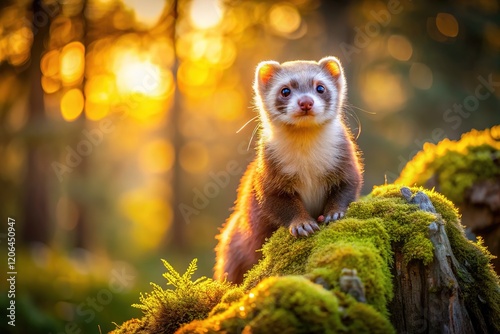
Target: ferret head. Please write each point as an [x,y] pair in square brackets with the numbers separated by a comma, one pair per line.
[299,93]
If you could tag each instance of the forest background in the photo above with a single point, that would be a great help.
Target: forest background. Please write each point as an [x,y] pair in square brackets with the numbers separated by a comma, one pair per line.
[119,125]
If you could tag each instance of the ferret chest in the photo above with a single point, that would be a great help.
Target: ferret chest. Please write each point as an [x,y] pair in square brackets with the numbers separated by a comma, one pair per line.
[308,163]
[312,191]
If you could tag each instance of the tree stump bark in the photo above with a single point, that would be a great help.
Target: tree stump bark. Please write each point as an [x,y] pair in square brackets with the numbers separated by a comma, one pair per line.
[481,215]
[427,298]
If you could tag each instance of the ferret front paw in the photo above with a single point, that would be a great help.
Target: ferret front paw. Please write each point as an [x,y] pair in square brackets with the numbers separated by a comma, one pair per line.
[332,216]
[302,227]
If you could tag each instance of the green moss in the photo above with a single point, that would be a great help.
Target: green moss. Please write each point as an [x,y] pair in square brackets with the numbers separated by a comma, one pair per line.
[293,304]
[278,294]
[419,248]
[231,296]
[404,222]
[456,165]
[282,255]
[131,326]
[166,310]
[329,261]
[478,281]
[361,318]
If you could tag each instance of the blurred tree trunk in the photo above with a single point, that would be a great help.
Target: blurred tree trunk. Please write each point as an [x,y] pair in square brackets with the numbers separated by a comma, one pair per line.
[81,229]
[338,29]
[177,236]
[36,216]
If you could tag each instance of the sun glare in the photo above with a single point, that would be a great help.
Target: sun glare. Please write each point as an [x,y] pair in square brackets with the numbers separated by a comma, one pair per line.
[136,76]
[146,12]
[206,14]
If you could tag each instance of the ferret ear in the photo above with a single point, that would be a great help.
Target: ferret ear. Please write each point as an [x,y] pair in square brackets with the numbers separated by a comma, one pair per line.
[332,66]
[265,71]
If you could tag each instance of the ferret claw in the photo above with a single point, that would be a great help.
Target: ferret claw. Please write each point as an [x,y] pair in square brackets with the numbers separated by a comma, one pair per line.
[334,216]
[303,228]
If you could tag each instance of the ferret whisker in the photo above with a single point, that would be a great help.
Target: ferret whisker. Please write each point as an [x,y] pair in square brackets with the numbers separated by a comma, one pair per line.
[253,134]
[356,118]
[361,109]
[348,111]
[244,125]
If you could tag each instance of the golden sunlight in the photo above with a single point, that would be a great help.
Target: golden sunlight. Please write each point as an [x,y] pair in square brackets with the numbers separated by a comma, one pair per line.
[206,14]
[284,18]
[157,156]
[137,76]
[383,91]
[72,63]
[146,12]
[72,104]
[150,216]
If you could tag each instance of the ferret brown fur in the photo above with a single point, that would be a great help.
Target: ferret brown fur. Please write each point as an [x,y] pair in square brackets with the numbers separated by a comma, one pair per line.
[307,169]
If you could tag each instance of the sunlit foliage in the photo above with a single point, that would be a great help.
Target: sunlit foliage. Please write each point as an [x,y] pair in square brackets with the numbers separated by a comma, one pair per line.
[456,165]
[166,310]
[280,294]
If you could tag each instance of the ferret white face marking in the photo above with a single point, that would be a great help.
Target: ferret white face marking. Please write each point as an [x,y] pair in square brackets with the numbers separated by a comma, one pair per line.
[299,93]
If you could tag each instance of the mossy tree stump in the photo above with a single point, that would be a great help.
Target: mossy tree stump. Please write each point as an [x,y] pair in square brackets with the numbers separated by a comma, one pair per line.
[397,263]
[466,171]
[427,298]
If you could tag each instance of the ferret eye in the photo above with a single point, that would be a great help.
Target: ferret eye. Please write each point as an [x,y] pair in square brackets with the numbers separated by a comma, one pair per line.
[285,92]
[320,89]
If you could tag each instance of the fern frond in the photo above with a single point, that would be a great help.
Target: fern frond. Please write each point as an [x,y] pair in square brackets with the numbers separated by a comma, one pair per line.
[141,307]
[172,276]
[190,271]
[200,280]
[166,309]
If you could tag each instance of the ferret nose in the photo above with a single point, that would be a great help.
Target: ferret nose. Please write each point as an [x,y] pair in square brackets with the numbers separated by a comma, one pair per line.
[305,103]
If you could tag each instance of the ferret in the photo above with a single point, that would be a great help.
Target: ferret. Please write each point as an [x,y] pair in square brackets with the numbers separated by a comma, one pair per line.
[307,168]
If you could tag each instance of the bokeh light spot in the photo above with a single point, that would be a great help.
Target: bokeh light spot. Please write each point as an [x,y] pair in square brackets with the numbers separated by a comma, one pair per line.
[50,85]
[421,76]
[157,156]
[399,47]
[136,76]
[96,111]
[72,104]
[284,18]
[383,91]
[72,63]
[99,88]
[99,93]
[447,24]
[146,12]
[50,63]
[206,14]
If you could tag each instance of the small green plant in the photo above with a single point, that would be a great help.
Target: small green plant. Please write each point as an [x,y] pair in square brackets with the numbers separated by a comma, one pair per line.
[165,310]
